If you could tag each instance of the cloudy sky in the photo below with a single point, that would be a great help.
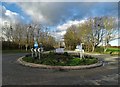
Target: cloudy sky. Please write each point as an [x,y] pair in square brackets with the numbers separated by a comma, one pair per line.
[57,16]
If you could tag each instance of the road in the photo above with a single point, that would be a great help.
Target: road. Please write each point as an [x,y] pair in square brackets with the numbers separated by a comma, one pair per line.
[16,74]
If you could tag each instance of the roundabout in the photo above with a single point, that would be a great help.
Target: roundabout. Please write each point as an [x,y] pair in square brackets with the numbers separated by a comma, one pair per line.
[69,66]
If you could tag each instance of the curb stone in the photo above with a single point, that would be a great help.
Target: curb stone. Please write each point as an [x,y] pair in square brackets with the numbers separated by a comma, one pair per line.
[20,61]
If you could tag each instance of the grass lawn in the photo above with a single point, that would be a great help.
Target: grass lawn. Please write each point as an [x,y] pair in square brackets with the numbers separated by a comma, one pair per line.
[113,49]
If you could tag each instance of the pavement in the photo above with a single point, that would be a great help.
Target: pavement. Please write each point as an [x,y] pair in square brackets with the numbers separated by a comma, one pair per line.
[16,74]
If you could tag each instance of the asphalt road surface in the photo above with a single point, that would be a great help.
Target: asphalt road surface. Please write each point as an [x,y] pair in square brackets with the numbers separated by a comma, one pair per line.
[16,74]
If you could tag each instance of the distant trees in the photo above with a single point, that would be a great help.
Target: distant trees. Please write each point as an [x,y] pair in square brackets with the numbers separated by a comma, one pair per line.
[24,35]
[92,33]
[71,37]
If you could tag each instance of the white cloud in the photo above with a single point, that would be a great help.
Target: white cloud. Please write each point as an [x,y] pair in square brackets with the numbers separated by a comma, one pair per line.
[0,21]
[33,10]
[56,13]
[61,29]
[9,13]
[46,12]
[53,13]
[0,27]
[115,42]
[68,24]
[60,0]
[9,16]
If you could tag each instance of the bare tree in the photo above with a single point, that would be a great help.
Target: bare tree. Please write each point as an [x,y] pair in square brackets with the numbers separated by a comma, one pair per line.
[110,25]
[92,32]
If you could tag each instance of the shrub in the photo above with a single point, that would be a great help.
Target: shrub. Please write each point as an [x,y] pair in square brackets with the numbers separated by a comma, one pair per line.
[99,49]
[37,61]
[48,47]
[90,61]
[66,54]
[74,61]
[61,60]
[28,59]
[49,62]
[51,53]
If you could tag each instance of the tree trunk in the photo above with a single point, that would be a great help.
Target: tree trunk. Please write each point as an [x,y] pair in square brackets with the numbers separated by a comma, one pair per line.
[93,48]
[106,46]
[26,47]
[105,49]
[19,45]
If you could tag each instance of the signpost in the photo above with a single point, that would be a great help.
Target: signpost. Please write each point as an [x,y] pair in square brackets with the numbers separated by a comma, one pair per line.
[40,50]
[32,50]
[36,50]
[35,46]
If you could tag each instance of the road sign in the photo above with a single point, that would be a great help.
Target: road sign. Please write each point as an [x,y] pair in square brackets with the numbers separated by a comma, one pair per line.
[79,47]
[40,49]
[36,45]
[59,50]
[31,49]
[35,50]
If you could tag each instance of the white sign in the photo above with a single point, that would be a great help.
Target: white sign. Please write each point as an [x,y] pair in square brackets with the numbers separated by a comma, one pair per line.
[59,50]
[35,50]
[77,50]
[79,47]
[32,50]
[40,49]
